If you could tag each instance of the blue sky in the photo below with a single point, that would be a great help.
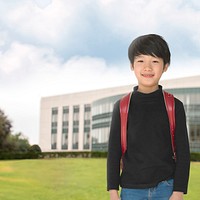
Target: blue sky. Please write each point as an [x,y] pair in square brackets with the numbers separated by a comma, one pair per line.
[50,47]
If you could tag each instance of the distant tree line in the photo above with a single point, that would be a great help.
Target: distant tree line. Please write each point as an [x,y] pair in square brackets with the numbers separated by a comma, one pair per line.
[16,146]
[13,143]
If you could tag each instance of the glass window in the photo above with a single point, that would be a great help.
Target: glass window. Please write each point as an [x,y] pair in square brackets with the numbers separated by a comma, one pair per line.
[87,124]
[65,127]
[75,133]
[54,127]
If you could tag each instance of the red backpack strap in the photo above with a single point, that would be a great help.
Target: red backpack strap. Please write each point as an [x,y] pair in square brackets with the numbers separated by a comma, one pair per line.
[124,107]
[170,107]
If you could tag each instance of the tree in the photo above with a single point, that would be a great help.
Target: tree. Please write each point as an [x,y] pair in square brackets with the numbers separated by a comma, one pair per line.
[5,129]
[9,142]
[17,143]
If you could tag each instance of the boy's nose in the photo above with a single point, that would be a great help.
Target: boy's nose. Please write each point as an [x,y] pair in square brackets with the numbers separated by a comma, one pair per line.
[148,67]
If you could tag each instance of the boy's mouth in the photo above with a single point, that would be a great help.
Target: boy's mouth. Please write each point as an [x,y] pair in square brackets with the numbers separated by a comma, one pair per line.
[148,75]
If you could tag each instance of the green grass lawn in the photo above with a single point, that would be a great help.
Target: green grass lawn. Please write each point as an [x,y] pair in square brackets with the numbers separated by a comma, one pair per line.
[65,179]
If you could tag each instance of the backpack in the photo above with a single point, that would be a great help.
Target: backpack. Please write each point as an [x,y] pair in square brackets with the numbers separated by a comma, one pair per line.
[124,107]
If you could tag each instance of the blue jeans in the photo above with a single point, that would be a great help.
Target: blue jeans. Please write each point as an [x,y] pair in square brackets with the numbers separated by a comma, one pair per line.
[162,191]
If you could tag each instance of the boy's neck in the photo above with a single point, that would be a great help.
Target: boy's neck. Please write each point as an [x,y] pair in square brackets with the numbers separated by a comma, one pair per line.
[147,90]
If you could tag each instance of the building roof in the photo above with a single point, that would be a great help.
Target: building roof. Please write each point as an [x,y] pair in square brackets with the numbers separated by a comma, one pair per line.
[93,95]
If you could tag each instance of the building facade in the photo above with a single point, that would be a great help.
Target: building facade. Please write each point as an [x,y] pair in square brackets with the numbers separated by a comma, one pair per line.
[81,121]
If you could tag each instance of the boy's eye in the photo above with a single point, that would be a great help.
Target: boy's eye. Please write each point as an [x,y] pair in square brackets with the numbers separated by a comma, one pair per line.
[140,61]
[155,61]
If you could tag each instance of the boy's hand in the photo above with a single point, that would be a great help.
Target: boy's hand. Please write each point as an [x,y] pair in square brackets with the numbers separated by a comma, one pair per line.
[114,195]
[176,196]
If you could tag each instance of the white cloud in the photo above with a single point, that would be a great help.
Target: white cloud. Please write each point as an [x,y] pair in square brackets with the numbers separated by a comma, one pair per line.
[3,38]
[42,69]
[30,72]
[44,3]
[31,33]
[185,67]
[46,25]
[24,56]
[61,19]
[129,18]
[57,23]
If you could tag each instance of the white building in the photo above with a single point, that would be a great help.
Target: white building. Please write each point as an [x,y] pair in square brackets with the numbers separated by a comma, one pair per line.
[81,121]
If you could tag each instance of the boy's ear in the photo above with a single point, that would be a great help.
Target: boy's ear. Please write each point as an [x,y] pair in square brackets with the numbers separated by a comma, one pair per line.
[165,68]
[131,66]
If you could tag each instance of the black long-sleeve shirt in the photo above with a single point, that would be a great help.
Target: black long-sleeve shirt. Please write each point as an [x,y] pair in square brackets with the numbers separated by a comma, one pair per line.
[148,159]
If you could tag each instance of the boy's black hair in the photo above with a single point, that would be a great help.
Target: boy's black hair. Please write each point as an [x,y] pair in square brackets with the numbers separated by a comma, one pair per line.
[150,44]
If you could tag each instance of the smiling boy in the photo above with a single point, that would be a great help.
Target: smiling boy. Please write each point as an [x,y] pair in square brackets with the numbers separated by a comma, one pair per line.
[149,170]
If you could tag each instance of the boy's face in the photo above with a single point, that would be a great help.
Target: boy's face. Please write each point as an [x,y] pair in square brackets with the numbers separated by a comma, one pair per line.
[148,71]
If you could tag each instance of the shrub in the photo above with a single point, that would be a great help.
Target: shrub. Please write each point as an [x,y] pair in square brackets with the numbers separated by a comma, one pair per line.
[35,148]
[195,156]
